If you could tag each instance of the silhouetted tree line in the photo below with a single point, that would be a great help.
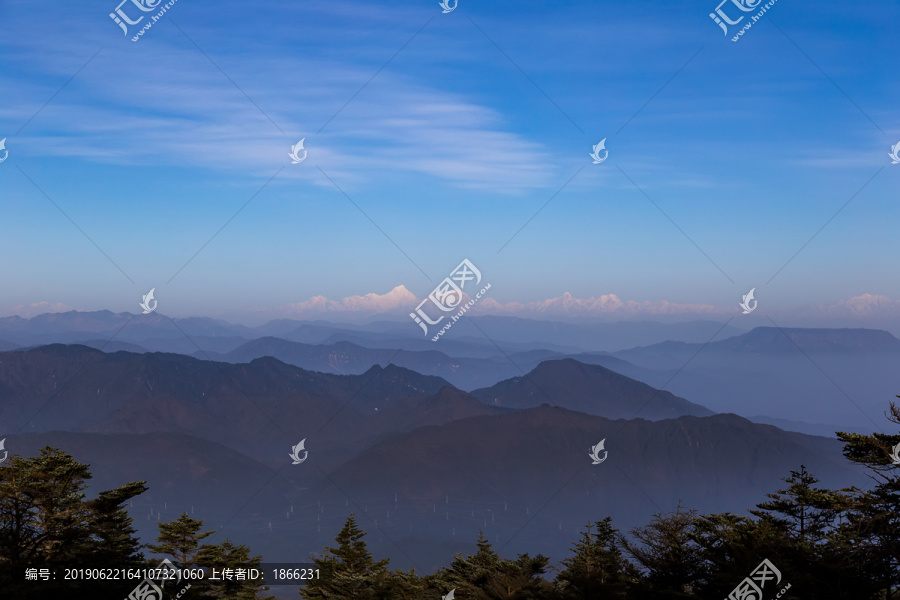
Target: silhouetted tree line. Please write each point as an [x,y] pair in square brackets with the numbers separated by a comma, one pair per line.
[47,523]
[827,544]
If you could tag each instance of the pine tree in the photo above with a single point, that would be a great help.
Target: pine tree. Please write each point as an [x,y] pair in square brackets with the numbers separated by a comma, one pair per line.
[808,519]
[874,521]
[45,522]
[114,536]
[43,498]
[731,547]
[180,539]
[597,568]
[403,585]
[468,575]
[230,556]
[667,554]
[807,514]
[348,572]
[485,576]
[521,578]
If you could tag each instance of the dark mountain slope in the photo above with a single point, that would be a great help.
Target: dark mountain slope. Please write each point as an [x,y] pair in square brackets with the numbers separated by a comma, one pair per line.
[587,388]
[529,474]
[260,408]
[843,376]
[350,358]
[771,341]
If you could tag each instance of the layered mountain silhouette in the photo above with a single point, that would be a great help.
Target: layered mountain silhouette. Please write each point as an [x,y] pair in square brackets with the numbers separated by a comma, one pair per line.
[599,336]
[158,332]
[773,341]
[73,325]
[841,376]
[83,389]
[530,454]
[425,465]
[591,389]
[799,378]
[352,359]
[253,407]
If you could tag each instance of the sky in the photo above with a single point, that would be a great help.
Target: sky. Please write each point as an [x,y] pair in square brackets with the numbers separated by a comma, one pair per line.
[432,137]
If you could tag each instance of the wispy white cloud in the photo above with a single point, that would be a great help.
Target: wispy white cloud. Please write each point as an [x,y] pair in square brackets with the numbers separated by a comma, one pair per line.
[371,304]
[179,110]
[567,306]
[400,301]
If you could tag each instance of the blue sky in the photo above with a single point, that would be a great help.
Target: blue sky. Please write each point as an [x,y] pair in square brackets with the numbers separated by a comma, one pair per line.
[474,125]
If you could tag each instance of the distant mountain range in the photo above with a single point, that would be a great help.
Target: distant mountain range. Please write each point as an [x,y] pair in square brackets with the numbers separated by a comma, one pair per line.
[794,378]
[806,379]
[252,407]
[842,376]
[424,464]
[429,443]
[157,332]
[154,330]
[771,340]
[865,310]
[590,389]
[352,359]
[77,388]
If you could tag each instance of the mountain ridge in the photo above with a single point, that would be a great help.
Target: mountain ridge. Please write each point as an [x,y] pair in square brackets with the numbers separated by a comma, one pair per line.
[575,385]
